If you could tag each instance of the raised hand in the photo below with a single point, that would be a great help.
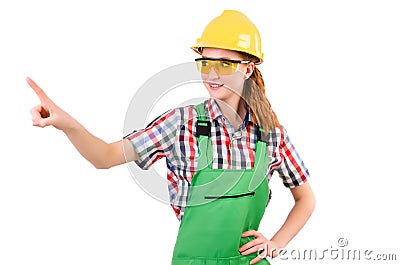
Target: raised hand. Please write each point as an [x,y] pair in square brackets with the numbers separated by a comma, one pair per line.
[47,112]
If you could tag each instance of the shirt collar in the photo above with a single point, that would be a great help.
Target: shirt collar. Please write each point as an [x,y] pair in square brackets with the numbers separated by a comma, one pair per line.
[213,111]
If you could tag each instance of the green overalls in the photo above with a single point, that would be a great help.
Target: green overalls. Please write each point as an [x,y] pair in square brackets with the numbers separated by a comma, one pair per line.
[222,204]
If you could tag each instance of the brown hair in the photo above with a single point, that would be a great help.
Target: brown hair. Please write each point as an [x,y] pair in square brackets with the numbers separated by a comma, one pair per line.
[255,98]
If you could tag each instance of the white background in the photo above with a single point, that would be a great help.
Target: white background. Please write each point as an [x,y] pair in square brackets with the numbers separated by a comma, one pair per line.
[332,73]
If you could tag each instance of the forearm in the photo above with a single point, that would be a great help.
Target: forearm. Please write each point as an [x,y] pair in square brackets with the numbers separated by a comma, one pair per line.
[95,150]
[296,219]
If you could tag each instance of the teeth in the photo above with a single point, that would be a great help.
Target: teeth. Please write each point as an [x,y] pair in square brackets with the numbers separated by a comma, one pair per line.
[215,85]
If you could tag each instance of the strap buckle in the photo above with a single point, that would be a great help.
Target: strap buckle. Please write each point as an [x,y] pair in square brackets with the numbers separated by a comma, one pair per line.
[203,128]
[262,136]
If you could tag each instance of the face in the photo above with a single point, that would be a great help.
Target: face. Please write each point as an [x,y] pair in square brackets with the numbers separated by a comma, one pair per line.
[223,86]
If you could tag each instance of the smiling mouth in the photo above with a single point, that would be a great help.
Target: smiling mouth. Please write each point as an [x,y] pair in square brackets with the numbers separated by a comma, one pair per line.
[215,85]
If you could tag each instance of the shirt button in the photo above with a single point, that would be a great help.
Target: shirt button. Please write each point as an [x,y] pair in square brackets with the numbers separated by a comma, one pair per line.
[237,135]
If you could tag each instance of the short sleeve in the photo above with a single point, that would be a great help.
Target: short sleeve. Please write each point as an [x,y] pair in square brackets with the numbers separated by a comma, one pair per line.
[156,140]
[292,169]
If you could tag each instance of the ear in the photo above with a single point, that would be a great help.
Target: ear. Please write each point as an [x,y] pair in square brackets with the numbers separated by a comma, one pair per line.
[249,70]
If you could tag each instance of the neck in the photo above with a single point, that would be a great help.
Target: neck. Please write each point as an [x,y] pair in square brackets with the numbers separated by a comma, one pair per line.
[233,110]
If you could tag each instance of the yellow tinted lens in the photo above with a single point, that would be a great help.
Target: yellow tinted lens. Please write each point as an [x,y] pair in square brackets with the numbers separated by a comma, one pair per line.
[225,67]
[221,67]
[203,66]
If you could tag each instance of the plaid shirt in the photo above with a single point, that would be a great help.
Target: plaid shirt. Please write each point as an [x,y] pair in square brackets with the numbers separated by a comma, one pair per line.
[173,136]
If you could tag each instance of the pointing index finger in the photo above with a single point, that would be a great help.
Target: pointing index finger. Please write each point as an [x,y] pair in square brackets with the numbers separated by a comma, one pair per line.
[39,92]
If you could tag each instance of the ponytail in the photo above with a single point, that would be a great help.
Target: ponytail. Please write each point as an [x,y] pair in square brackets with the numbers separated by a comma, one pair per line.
[254,96]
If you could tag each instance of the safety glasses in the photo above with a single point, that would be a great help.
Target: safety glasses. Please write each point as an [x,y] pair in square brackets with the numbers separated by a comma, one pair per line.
[221,66]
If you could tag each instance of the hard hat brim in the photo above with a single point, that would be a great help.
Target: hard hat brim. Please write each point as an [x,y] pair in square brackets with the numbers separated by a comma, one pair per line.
[198,48]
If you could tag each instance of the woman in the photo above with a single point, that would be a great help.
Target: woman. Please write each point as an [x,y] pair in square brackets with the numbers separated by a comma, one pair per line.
[220,154]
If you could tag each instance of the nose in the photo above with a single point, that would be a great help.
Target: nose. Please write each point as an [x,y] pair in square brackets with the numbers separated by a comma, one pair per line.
[212,75]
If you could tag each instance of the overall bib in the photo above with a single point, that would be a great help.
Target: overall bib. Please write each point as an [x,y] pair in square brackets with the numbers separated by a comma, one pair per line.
[222,204]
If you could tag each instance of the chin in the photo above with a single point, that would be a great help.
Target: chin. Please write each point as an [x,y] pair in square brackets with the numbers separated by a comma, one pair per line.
[217,96]
[221,93]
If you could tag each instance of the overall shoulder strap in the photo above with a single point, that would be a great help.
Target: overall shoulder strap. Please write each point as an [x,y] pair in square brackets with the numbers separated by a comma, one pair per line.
[203,126]
[261,162]
[203,131]
[262,135]
[200,111]
[261,146]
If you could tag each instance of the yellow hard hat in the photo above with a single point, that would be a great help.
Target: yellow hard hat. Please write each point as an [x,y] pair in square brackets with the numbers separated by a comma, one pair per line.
[232,30]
